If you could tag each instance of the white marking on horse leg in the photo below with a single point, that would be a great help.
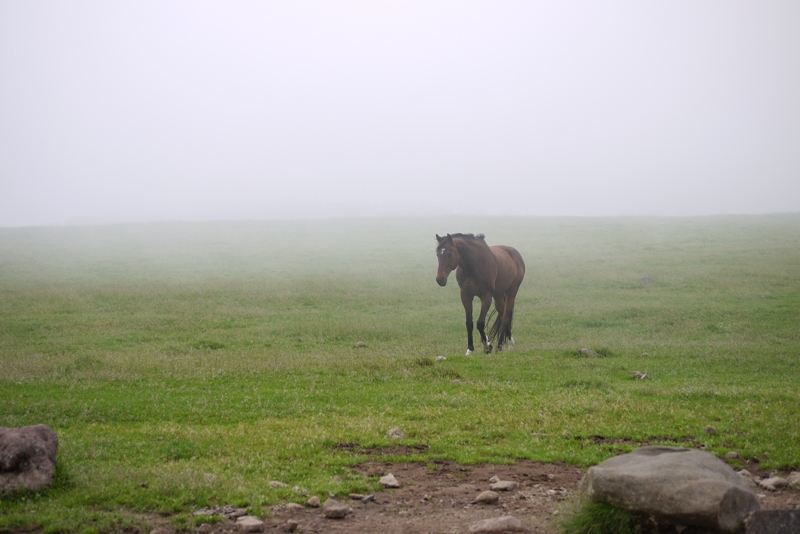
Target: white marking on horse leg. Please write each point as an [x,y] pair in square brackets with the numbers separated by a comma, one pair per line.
[510,343]
[469,353]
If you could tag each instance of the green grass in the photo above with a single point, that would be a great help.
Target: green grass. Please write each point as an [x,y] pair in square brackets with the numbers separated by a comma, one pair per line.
[185,365]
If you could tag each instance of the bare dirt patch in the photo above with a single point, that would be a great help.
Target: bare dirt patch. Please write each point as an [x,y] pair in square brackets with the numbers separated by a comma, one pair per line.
[438,497]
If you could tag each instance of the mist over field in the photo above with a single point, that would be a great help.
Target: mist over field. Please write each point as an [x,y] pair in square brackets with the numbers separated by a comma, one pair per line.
[195,111]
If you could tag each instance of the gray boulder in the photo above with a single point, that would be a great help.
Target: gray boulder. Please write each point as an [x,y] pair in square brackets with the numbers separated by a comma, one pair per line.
[680,486]
[27,458]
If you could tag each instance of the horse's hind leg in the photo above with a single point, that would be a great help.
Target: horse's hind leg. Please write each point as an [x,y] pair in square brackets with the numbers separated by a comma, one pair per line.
[486,302]
[508,316]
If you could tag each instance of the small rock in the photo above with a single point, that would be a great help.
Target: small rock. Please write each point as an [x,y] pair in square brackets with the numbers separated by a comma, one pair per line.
[359,345]
[487,497]
[395,433]
[294,507]
[389,481]
[794,479]
[335,510]
[732,455]
[205,528]
[503,485]
[276,484]
[313,502]
[301,491]
[589,352]
[236,513]
[494,479]
[160,530]
[249,523]
[356,496]
[290,526]
[711,431]
[441,358]
[773,483]
[497,525]
[368,498]
[639,375]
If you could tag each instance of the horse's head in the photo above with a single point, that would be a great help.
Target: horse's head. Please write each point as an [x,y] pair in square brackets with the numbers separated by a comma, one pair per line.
[448,256]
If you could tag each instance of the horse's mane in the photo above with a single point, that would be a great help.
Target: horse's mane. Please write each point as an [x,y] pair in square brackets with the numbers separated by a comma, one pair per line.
[470,237]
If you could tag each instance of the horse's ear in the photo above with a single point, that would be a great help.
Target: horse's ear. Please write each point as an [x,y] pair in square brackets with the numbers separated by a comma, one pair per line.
[439,239]
[449,238]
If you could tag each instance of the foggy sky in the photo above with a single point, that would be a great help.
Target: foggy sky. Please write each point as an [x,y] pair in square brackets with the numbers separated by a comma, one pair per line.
[168,110]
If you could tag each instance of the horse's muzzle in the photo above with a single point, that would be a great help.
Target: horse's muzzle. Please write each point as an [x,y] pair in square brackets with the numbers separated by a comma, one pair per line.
[441,280]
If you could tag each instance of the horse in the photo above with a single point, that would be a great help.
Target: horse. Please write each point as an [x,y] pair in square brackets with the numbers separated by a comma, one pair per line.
[484,272]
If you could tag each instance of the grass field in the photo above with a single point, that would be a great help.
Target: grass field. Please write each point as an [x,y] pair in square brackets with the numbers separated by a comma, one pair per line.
[189,364]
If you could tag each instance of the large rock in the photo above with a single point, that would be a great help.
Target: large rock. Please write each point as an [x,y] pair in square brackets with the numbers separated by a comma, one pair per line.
[27,458]
[681,486]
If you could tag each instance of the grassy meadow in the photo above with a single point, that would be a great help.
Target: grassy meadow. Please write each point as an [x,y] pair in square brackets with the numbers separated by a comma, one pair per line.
[189,364]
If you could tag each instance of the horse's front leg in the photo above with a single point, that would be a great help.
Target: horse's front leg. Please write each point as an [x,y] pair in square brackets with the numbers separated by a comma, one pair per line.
[486,302]
[466,300]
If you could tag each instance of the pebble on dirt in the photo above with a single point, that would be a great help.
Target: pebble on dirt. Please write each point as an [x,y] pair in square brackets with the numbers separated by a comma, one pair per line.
[503,485]
[441,358]
[313,502]
[773,483]
[290,526]
[639,375]
[276,484]
[333,509]
[506,523]
[249,523]
[487,497]
[359,345]
[389,481]
[711,431]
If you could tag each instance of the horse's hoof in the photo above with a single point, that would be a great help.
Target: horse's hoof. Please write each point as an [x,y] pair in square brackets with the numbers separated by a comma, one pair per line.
[468,353]
[510,343]
[487,348]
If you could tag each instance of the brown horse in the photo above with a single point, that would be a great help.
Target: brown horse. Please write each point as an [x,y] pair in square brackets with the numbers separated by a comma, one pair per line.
[484,272]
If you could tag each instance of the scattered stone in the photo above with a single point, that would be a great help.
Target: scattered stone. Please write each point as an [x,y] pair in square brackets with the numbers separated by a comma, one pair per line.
[313,502]
[503,485]
[773,522]
[794,480]
[711,431]
[236,513]
[160,530]
[395,433]
[376,471]
[301,491]
[276,484]
[389,481]
[368,498]
[333,509]
[290,526]
[679,486]
[639,375]
[359,345]
[748,477]
[441,358]
[294,507]
[205,528]
[249,523]
[356,496]
[589,352]
[27,458]
[732,455]
[500,524]
[494,479]
[773,483]
[487,497]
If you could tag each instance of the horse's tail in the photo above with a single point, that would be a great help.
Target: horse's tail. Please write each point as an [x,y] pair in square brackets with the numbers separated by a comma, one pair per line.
[494,330]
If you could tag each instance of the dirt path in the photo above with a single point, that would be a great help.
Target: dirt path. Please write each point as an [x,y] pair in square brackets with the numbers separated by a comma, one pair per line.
[441,500]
